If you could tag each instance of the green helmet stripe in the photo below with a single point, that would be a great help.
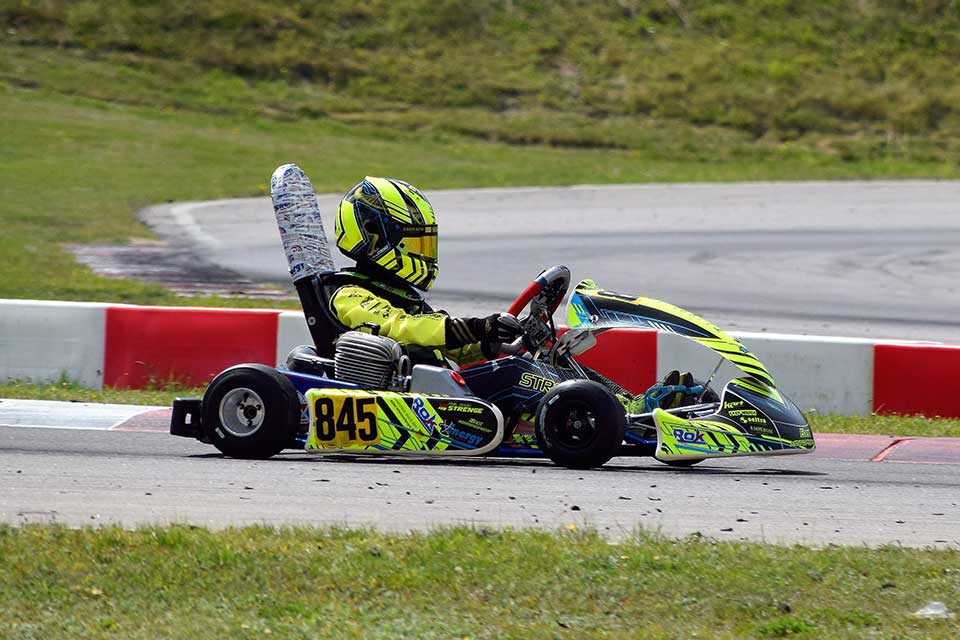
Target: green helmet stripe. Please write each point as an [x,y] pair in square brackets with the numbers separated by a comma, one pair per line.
[388,261]
[406,267]
[415,267]
[415,200]
[392,200]
[350,234]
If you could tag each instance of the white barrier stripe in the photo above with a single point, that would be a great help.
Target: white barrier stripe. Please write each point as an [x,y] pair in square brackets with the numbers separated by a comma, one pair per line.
[292,332]
[42,341]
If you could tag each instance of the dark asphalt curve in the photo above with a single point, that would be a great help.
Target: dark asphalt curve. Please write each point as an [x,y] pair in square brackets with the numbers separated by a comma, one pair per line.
[866,259]
[95,478]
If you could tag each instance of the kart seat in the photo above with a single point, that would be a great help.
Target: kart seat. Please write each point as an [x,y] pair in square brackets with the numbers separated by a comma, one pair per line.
[315,293]
[304,359]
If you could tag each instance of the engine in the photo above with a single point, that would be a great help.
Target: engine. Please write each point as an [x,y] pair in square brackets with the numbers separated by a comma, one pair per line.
[372,362]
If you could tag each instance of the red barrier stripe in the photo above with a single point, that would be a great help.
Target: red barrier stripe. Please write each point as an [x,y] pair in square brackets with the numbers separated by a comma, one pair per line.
[154,345]
[626,356]
[916,379]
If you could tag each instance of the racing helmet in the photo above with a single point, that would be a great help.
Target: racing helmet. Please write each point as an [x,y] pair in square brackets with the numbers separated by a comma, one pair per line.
[391,224]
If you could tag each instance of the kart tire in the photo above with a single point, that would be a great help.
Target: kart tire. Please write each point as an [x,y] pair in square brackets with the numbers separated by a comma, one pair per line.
[683,464]
[580,424]
[250,411]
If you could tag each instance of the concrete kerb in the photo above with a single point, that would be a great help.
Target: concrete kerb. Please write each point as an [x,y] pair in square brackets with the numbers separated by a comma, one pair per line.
[822,374]
[819,373]
[42,341]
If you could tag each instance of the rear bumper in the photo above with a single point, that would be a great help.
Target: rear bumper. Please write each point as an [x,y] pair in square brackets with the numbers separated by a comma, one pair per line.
[185,420]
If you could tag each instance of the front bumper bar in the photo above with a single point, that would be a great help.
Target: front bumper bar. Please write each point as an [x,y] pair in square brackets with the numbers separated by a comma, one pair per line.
[185,420]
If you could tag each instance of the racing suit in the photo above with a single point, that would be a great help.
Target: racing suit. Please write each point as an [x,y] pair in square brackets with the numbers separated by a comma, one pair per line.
[402,314]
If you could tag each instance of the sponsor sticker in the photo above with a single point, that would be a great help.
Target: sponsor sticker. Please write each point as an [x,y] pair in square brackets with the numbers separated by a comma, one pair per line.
[535,382]
[427,419]
[689,437]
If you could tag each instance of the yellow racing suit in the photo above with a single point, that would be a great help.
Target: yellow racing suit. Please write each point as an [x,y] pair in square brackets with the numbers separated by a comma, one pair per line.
[405,317]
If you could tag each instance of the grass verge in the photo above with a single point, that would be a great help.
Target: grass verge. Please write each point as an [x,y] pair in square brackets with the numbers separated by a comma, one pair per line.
[65,391]
[187,582]
[888,425]
[163,395]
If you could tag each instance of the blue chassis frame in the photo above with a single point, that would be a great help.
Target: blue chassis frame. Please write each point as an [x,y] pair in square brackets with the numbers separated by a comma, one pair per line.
[483,372]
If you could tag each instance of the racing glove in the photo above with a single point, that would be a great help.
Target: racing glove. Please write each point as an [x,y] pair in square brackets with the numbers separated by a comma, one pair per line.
[495,328]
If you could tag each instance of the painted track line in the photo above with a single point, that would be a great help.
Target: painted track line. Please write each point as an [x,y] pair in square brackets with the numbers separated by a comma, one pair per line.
[880,457]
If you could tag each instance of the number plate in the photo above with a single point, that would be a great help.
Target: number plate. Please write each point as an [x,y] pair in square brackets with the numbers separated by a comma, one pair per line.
[343,420]
[361,421]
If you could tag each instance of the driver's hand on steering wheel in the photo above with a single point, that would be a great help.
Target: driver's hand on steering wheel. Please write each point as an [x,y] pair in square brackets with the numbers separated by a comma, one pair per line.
[492,332]
[501,327]
[495,328]
[501,330]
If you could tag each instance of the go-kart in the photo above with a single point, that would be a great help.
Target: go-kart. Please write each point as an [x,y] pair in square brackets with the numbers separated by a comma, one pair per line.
[536,400]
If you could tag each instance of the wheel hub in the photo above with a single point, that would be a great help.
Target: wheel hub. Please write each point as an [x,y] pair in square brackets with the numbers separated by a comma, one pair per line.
[580,424]
[241,412]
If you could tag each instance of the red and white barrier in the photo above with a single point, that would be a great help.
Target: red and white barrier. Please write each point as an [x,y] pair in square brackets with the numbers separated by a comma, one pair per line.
[152,345]
[135,347]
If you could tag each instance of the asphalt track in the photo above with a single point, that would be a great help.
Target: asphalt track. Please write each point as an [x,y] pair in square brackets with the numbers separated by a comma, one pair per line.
[116,465]
[860,259]
[866,259]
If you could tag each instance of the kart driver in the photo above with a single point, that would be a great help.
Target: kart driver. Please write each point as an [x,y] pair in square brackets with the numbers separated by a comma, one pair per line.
[390,229]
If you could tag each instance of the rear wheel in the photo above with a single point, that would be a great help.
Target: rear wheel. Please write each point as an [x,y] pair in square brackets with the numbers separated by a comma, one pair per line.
[251,411]
[580,424]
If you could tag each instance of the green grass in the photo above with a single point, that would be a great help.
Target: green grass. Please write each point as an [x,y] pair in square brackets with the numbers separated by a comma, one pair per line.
[111,106]
[66,391]
[852,78]
[187,582]
[888,425]
[163,395]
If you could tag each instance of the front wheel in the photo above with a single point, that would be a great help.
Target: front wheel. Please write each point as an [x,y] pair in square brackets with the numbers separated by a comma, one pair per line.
[251,411]
[580,424]
[683,464]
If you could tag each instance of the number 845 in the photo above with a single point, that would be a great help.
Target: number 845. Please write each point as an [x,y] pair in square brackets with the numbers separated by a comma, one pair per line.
[354,417]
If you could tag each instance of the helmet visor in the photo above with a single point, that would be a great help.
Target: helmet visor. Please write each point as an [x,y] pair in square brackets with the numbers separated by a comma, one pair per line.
[424,245]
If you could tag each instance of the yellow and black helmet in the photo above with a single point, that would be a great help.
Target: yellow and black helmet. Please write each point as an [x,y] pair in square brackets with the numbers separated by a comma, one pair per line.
[391,224]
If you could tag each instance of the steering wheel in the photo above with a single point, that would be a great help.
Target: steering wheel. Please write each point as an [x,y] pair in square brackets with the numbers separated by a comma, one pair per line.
[543,296]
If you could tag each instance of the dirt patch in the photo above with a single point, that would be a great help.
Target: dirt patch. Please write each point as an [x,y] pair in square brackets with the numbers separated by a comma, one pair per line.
[178,269]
